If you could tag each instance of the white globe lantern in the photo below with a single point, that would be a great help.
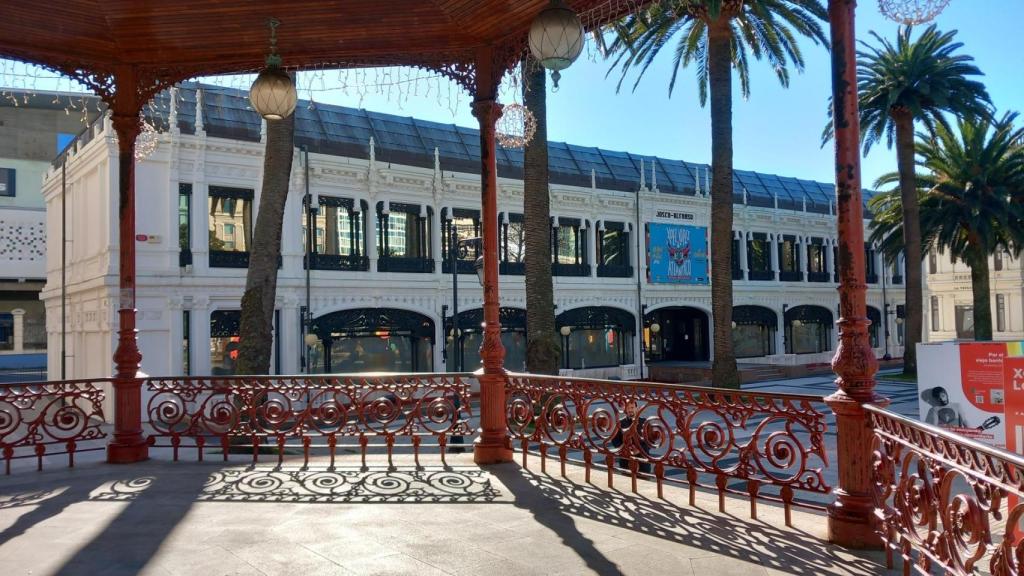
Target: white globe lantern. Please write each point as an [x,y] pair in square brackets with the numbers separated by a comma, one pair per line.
[273,93]
[565,331]
[312,339]
[556,38]
[655,328]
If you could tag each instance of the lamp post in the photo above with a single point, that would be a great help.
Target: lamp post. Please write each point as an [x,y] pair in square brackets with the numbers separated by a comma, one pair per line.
[311,207]
[565,331]
[885,326]
[456,248]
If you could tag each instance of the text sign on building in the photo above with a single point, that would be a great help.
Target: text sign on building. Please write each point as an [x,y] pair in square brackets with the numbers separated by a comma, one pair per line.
[677,254]
[669,215]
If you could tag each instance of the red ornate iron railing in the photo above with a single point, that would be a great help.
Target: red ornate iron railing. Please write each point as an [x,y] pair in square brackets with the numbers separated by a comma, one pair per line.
[311,413]
[939,497]
[759,445]
[39,419]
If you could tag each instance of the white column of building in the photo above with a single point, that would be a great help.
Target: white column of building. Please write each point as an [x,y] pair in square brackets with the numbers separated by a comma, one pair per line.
[176,328]
[830,258]
[774,240]
[592,235]
[802,255]
[370,232]
[780,332]
[289,333]
[200,201]
[436,252]
[19,329]
[201,333]
[744,263]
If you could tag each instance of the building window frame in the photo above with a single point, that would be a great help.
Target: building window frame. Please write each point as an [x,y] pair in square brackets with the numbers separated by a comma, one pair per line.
[349,251]
[934,307]
[512,233]
[418,259]
[220,257]
[468,224]
[569,248]
[184,224]
[617,263]
[759,260]
[1000,313]
[8,182]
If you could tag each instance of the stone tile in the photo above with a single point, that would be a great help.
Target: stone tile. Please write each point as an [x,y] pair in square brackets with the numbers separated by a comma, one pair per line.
[720,566]
[392,565]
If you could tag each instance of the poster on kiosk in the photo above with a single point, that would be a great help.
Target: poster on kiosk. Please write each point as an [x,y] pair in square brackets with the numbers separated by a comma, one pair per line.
[1013,381]
[960,387]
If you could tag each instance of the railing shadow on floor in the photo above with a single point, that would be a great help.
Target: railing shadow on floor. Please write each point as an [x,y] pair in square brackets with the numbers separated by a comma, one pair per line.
[557,502]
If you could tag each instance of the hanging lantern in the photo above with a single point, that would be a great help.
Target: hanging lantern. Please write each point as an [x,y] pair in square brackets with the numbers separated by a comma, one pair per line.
[912,12]
[273,92]
[556,38]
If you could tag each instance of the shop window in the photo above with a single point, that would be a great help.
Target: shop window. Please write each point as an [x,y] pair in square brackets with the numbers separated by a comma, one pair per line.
[339,235]
[513,245]
[964,322]
[754,333]
[7,182]
[462,348]
[6,331]
[613,251]
[569,242]
[184,224]
[230,232]
[808,330]
[1000,312]
[372,340]
[467,227]
[759,259]
[875,329]
[597,337]
[403,238]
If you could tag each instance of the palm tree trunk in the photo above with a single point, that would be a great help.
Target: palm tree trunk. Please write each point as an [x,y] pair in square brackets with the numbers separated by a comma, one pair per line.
[978,261]
[541,345]
[723,370]
[256,333]
[911,238]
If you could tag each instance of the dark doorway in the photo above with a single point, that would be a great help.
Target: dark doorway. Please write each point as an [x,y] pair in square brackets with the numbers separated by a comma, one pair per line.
[678,334]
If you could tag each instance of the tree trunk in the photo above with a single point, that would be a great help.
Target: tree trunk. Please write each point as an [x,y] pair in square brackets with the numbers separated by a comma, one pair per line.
[541,345]
[978,261]
[911,238]
[723,370]
[256,333]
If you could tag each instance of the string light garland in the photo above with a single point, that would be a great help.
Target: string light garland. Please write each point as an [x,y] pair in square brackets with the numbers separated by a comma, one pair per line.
[147,141]
[912,12]
[516,127]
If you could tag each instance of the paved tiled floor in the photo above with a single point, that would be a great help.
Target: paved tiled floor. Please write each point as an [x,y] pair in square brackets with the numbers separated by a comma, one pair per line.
[206,519]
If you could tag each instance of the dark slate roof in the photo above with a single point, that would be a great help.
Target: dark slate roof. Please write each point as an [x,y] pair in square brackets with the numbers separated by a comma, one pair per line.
[342,131]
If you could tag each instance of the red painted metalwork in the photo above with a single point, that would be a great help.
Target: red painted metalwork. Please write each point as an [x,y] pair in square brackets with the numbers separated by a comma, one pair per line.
[773,443]
[850,518]
[492,445]
[311,413]
[35,416]
[127,445]
[939,497]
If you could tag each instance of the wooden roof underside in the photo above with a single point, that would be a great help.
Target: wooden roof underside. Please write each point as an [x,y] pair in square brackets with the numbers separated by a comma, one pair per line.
[173,41]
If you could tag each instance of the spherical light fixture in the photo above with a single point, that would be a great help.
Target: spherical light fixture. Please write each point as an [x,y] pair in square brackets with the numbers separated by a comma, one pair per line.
[912,12]
[556,38]
[797,323]
[565,331]
[734,324]
[655,328]
[899,320]
[311,339]
[273,93]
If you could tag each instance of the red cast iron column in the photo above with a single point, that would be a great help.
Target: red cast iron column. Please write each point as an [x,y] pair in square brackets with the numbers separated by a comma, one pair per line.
[850,516]
[492,446]
[128,445]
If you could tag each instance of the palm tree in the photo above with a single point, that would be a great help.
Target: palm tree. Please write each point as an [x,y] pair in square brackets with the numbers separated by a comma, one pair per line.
[541,344]
[966,191]
[256,332]
[717,36]
[913,81]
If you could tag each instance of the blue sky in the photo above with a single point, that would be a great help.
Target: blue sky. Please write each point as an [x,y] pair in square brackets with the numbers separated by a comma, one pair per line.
[777,130]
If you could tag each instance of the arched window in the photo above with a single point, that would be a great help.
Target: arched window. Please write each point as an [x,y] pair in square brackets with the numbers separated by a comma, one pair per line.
[808,330]
[466,358]
[753,334]
[598,336]
[373,340]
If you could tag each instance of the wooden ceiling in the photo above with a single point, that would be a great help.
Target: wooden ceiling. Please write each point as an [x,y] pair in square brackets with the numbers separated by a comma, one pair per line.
[194,37]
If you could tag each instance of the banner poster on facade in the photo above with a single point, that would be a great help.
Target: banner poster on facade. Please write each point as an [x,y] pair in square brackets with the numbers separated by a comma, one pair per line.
[1013,381]
[961,388]
[677,254]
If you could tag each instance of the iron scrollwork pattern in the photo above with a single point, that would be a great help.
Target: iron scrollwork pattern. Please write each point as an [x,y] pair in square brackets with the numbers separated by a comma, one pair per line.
[294,412]
[38,417]
[678,433]
[939,497]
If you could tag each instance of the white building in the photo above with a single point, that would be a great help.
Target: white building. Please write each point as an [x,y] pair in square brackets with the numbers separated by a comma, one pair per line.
[949,300]
[388,189]
[34,128]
